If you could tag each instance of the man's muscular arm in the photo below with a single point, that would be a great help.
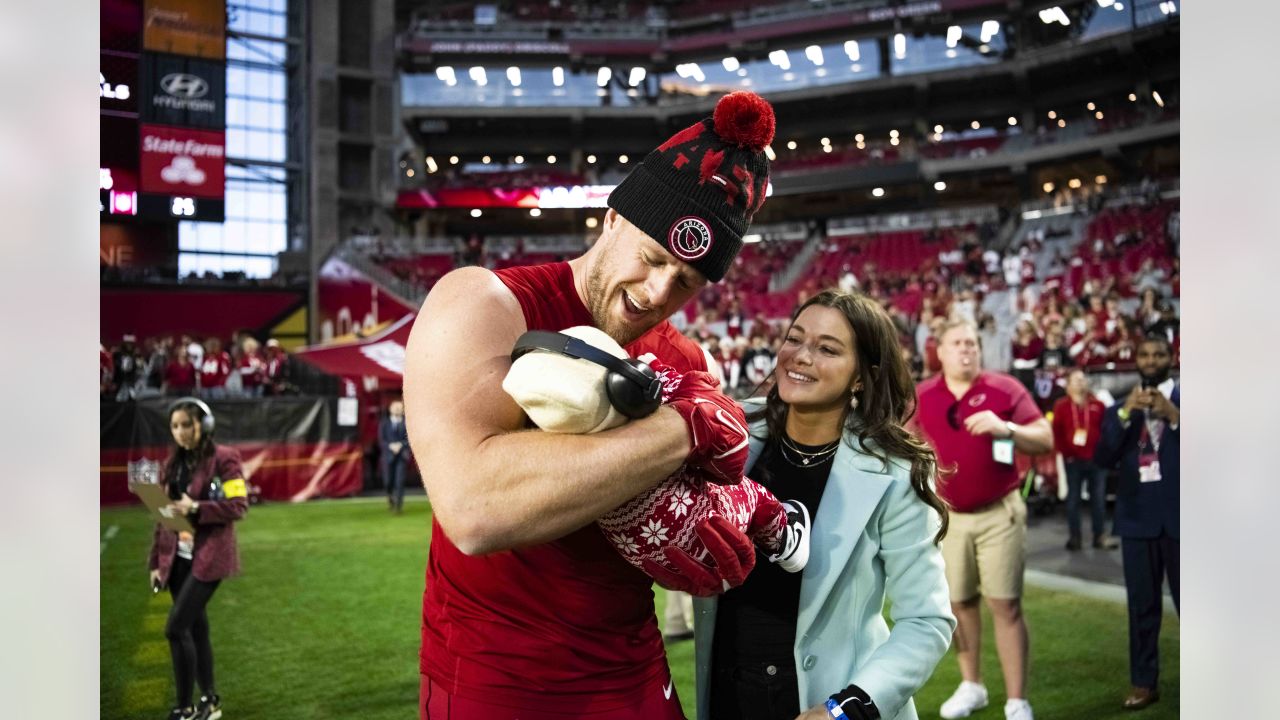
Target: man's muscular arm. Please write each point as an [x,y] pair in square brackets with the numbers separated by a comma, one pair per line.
[493,485]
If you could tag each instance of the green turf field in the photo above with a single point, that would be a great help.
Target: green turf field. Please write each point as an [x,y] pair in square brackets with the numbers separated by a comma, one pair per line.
[324,623]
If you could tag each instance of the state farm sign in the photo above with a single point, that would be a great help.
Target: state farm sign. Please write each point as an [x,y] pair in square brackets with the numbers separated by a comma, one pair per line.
[181,161]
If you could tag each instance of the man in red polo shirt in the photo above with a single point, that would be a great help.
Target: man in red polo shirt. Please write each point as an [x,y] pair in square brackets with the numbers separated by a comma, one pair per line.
[1077,425]
[975,419]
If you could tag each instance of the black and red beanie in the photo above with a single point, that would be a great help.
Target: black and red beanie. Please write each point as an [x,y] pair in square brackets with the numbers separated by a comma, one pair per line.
[696,193]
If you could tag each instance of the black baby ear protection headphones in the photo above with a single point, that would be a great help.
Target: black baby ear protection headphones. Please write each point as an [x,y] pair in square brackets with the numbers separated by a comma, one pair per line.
[206,421]
[632,386]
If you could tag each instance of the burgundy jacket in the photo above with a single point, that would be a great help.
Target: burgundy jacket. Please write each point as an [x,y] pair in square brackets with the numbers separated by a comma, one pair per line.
[215,556]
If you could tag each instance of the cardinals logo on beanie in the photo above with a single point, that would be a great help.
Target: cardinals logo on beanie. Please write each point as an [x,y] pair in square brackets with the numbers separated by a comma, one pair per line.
[697,193]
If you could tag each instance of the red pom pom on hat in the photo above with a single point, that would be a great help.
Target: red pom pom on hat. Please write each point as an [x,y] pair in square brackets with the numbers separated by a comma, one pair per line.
[744,118]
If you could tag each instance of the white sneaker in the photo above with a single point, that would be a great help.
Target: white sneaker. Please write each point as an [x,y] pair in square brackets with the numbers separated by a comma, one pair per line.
[794,553]
[968,697]
[1017,709]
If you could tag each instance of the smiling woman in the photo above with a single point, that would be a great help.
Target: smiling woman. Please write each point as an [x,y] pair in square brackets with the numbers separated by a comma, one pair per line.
[830,436]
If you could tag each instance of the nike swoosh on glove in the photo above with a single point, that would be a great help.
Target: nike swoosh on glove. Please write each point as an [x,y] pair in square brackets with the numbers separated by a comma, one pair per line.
[717,425]
[730,551]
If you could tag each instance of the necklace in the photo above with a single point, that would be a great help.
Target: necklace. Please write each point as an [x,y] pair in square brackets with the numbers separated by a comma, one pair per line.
[808,459]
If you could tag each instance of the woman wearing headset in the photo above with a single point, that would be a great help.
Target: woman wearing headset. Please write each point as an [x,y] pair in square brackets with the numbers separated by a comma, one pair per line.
[831,435]
[207,486]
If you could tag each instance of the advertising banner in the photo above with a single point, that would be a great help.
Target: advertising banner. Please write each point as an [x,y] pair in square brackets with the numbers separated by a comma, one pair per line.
[292,449]
[183,91]
[180,161]
[186,27]
[349,302]
[118,83]
[120,24]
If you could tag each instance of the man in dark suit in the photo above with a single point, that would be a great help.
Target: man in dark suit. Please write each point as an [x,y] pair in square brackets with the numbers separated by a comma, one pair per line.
[393,440]
[1141,440]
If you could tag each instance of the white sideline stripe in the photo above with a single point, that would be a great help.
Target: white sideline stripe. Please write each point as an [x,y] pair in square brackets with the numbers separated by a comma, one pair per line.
[1085,588]
[110,533]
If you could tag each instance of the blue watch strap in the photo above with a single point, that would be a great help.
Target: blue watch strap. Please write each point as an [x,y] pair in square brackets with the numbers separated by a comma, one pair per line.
[834,709]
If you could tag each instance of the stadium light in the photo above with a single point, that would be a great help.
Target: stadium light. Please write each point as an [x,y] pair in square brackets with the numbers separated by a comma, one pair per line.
[814,53]
[894,141]
[826,148]
[592,222]
[990,28]
[453,159]
[752,238]
[1098,115]
[877,192]
[431,164]
[409,172]
[1073,183]
[826,141]
[1048,187]
[791,144]
[519,159]
[485,159]
[557,76]
[952,54]
[954,34]
[513,76]
[1119,7]
[1013,120]
[1048,16]
[691,70]
[937,129]
[1133,97]
[1091,107]
[851,49]
[975,124]
[602,76]
[859,137]
[768,151]
[779,58]
[478,75]
[637,76]
[622,159]
[475,212]
[1156,96]
[742,72]
[1105,3]
[591,159]
[893,133]
[1053,115]
[446,75]
[731,64]
[1062,123]
[551,159]
[900,46]
[1101,180]
[939,186]
[862,145]
[535,212]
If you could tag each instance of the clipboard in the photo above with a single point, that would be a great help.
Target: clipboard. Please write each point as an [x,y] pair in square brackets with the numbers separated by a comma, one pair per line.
[143,482]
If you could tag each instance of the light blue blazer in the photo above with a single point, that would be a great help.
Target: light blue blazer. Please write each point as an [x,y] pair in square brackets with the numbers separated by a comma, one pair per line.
[872,537]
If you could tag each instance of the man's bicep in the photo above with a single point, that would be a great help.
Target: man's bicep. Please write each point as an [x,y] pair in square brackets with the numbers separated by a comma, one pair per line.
[458,354]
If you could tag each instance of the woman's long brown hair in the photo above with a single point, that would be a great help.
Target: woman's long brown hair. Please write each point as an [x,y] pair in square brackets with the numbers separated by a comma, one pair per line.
[886,402]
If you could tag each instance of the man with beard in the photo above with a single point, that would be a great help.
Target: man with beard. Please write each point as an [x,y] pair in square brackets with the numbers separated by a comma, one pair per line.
[528,609]
[1141,439]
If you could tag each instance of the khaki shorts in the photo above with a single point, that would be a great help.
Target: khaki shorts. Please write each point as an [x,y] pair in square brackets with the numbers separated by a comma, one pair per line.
[986,551]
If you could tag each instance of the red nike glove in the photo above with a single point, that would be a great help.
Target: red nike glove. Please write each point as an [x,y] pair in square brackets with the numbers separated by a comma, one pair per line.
[717,425]
[731,553]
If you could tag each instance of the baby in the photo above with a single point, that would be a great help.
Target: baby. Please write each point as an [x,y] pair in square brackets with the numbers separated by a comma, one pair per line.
[564,394]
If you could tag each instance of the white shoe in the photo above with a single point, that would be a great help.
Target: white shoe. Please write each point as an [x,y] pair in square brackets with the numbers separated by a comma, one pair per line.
[968,697]
[794,553]
[1017,709]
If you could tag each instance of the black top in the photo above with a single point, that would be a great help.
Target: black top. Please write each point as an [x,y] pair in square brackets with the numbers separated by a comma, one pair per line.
[756,621]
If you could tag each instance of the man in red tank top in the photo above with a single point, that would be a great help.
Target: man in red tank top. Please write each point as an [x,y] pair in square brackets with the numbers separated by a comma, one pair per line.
[528,610]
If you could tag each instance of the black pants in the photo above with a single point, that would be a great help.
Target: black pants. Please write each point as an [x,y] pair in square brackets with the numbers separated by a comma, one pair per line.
[758,691]
[1146,563]
[188,631]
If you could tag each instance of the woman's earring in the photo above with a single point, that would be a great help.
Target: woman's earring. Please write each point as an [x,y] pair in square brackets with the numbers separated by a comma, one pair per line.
[853,397]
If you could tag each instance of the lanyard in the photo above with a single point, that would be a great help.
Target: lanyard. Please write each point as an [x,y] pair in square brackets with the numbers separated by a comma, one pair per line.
[1075,418]
[1151,429]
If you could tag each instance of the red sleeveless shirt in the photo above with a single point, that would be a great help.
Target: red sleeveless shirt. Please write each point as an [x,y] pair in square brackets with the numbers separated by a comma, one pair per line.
[566,624]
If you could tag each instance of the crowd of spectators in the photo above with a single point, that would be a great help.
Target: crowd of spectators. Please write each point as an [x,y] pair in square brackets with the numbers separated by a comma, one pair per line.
[166,366]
